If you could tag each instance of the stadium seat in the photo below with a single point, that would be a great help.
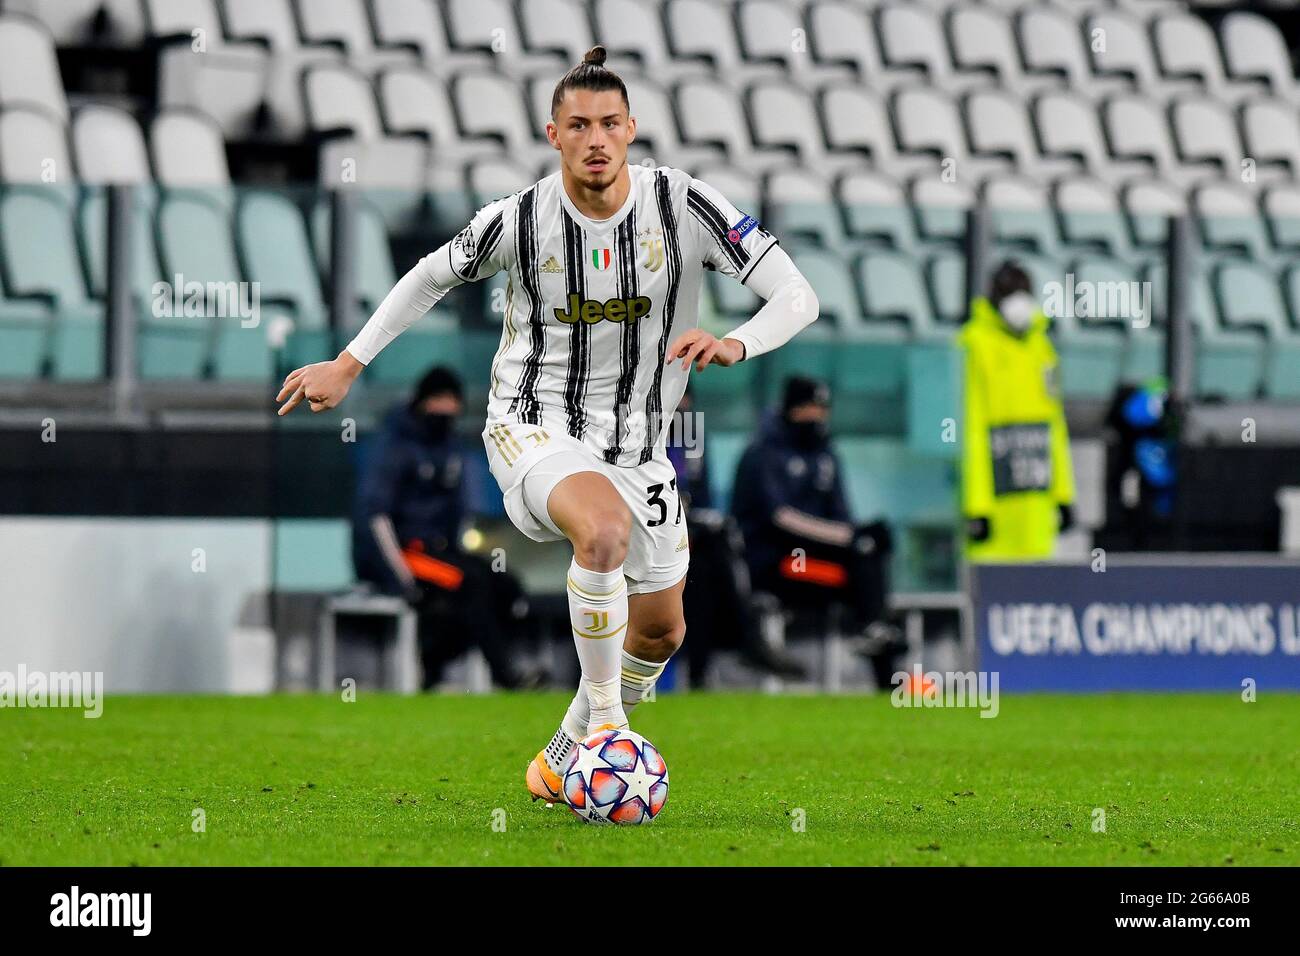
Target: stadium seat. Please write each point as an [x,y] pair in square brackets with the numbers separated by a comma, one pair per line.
[168,346]
[1229,220]
[419,25]
[928,124]
[413,100]
[490,106]
[1256,53]
[633,30]
[842,32]
[1206,135]
[86,22]
[276,254]
[26,326]
[196,241]
[1139,132]
[1148,205]
[1250,297]
[999,128]
[1186,47]
[1069,129]
[911,37]
[393,169]
[200,69]
[34,148]
[490,25]
[656,123]
[1053,47]
[766,29]
[704,32]
[375,275]
[1090,216]
[856,124]
[1272,135]
[1281,206]
[556,26]
[1126,54]
[743,189]
[945,275]
[1020,214]
[800,203]
[188,152]
[710,115]
[785,117]
[940,209]
[893,293]
[272,23]
[109,146]
[39,248]
[29,71]
[861,360]
[875,210]
[346,23]
[1229,362]
[983,42]
[435,337]
[491,178]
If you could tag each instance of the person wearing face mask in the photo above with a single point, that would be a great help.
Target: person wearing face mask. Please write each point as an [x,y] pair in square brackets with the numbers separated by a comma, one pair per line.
[1017,480]
[406,528]
[801,542]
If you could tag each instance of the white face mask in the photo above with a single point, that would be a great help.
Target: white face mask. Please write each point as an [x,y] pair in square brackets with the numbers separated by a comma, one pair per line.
[1018,310]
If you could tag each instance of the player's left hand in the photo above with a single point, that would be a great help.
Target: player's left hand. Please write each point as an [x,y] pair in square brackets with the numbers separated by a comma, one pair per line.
[703,349]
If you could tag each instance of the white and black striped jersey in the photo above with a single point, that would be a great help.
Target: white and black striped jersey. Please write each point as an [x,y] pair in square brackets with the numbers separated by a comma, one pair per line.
[592,306]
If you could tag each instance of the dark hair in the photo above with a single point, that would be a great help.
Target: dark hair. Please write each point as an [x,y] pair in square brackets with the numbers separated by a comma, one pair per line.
[439,380]
[1008,279]
[590,74]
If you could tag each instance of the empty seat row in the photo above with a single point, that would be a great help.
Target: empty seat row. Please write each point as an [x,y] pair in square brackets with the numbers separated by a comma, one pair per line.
[184,148]
[231,293]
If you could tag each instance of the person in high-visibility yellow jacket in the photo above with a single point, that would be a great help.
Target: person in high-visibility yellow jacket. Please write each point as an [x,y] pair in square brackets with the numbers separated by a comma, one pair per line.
[1017,481]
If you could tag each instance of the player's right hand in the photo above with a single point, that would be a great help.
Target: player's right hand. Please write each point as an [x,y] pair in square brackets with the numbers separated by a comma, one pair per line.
[323,384]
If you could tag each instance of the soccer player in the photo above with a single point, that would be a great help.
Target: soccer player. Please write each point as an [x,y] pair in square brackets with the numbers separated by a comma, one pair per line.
[605,262]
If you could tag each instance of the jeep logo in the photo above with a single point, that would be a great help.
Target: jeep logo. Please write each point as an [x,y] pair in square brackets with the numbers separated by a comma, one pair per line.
[613,310]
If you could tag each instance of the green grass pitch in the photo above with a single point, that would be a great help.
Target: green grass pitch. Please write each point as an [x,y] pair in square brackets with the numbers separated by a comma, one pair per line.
[1183,779]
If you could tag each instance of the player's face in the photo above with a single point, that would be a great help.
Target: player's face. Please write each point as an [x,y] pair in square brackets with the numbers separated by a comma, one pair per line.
[592,130]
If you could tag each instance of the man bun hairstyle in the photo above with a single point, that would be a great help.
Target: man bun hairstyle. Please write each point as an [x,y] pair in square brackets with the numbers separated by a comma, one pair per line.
[590,74]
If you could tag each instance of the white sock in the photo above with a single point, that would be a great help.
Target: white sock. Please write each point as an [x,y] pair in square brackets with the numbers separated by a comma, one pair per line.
[579,712]
[598,616]
[638,680]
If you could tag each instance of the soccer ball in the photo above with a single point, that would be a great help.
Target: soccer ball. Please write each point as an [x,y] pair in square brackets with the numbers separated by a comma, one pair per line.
[615,776]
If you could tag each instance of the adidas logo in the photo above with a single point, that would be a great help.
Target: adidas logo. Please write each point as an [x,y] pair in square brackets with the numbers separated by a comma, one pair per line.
[682,545]
[552,265]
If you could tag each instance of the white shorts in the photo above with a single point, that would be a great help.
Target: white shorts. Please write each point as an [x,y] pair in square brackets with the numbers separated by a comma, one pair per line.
[657,552]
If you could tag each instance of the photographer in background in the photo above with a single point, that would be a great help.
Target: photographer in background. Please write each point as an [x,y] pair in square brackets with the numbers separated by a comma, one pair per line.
[406,529]
[719,602]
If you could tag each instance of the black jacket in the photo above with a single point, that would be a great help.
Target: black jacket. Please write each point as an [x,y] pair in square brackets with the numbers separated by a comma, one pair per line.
[418,480]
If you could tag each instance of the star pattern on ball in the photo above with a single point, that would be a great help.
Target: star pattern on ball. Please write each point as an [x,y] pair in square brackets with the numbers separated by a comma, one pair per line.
[639,780]
[587,762]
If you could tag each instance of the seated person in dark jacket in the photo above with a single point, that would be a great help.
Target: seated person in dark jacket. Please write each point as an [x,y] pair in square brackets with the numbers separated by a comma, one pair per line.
[406,536]
[723,610]
[801,542]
